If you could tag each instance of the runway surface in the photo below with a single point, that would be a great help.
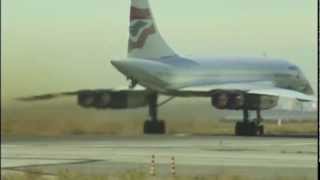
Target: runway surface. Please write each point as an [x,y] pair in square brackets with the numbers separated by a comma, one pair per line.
[195,155]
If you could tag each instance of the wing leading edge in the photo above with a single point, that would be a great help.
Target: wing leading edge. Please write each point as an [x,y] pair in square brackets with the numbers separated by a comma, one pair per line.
[261,88]
[43,97]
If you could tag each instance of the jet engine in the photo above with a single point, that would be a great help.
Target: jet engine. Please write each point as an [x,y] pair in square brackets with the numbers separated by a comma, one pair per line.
[255,101]
[86,99]
[228,100]
[112,99]
[240,100]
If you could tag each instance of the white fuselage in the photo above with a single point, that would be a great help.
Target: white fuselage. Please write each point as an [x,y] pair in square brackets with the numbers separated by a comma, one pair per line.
[173,73]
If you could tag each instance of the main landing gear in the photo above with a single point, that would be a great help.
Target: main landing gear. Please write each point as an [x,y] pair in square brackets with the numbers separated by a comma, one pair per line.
[249,128]
[153,125]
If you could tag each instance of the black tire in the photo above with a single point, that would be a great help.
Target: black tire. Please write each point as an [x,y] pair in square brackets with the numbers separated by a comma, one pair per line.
[247,129]
[154,127]
[238,129]
[252,129]
[241,129]
[260,131]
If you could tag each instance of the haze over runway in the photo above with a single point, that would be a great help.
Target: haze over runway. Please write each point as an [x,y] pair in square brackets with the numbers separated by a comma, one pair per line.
[263,157]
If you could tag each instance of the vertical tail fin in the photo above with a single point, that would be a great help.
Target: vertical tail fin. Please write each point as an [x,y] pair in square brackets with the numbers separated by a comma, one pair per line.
[145,40]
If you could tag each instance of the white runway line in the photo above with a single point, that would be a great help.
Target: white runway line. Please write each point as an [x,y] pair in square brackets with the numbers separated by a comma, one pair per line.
[194,150]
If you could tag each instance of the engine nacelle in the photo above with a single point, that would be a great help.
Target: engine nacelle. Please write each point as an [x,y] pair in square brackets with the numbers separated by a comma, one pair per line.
[239,100]
[255,101]
[112,99]
[86,99]
[228,100]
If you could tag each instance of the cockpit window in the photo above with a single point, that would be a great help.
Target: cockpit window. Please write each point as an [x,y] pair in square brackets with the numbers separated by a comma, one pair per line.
[293,68]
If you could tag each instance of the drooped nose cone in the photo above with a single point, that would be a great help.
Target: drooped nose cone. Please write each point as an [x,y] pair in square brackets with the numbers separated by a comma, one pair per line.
[308,89]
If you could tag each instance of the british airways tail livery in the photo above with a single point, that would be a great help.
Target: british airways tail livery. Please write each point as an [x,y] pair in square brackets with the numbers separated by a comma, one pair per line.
[231,83]
[145,40]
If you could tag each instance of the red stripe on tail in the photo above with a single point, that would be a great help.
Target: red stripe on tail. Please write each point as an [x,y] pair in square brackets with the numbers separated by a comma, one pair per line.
[137,13]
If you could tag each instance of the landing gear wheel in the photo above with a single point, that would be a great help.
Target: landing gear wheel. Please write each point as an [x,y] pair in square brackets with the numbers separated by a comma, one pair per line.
[260,131]
[244,129]
[251,129]
[248,129]
[154,127]
[239,129]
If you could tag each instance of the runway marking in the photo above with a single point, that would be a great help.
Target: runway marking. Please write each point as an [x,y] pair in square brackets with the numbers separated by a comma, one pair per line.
[263,144]
[194,151]
[300,144]
[172,145]
[51,164]
[42,158]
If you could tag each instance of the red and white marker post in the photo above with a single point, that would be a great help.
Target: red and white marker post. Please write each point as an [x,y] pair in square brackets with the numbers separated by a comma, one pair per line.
[173,166]
[153,166]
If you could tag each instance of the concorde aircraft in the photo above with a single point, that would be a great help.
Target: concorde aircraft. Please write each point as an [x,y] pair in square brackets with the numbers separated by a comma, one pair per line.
[230,83]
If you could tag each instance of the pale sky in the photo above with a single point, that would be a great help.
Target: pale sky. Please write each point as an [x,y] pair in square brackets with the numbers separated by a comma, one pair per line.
[52,46]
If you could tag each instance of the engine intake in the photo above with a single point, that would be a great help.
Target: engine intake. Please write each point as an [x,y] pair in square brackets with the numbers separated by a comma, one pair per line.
[239,100]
